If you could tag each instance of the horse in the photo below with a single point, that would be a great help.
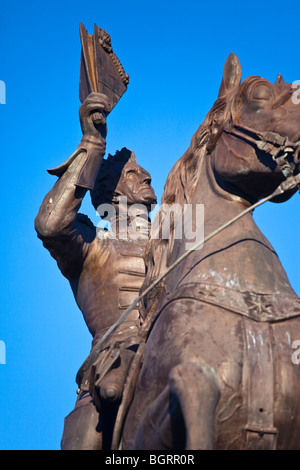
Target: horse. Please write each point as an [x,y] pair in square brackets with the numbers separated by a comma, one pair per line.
[218,369]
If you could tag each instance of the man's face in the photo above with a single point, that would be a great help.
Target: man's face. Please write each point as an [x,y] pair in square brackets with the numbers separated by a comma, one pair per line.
[135,184]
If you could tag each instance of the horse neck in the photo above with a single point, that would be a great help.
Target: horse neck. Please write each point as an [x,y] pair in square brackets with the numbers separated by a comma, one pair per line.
[239,256]
[220,206]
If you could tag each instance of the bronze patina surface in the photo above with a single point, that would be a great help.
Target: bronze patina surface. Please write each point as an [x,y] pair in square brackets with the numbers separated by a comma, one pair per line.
[217,369]
[105,268]
[206,361]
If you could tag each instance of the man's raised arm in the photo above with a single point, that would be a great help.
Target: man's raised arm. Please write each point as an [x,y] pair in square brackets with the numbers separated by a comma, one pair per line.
[55,222]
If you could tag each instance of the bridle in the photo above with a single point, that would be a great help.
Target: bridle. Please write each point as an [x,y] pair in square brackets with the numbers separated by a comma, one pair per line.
[280,148]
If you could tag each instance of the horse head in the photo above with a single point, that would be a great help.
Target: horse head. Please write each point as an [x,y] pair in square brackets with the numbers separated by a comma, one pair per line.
[249,142]
[254,132]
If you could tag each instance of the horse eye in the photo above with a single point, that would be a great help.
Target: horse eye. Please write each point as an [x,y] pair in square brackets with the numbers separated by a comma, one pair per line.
[261,92]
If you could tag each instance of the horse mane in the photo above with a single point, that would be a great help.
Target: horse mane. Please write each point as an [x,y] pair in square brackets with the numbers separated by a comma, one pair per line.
[183,179]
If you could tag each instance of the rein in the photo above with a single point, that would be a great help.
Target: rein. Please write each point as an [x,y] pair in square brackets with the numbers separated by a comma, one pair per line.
[269,142]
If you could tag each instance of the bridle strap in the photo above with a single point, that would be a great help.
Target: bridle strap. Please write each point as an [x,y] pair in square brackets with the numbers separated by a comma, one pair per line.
[279,147]
[269,142]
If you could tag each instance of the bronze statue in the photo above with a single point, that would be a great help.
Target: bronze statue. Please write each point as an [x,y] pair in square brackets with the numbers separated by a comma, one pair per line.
[217,369]
[105,268]
[206,362]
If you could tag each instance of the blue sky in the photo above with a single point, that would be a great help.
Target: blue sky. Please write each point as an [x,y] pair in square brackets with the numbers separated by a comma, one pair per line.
[174,53]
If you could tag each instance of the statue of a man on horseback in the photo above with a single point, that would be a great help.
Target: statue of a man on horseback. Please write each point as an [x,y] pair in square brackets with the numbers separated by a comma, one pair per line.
[205,363]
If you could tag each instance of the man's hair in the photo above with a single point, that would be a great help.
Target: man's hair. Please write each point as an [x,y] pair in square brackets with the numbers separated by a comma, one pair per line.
[109,175]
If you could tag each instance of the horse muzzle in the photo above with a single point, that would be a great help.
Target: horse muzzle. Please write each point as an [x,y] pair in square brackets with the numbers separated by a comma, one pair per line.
[288,159]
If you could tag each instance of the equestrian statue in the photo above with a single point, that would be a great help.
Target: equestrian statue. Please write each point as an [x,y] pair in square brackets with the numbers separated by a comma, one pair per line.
[192,343]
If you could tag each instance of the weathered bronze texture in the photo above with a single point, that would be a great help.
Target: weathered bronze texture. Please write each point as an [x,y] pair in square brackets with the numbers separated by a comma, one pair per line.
[100,69]
[206,362]
[105,268]
[217,369]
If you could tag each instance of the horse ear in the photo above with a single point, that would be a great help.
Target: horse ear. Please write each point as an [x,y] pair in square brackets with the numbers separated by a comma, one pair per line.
[279,79]
[231,75]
